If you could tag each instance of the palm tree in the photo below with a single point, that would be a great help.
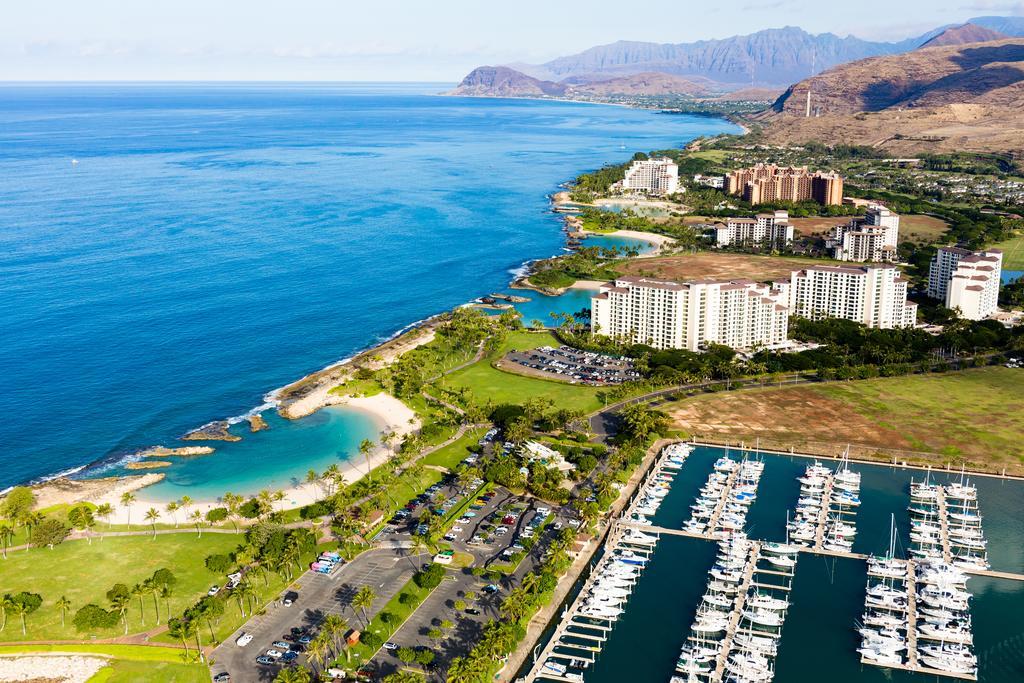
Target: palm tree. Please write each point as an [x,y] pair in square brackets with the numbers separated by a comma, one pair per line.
[172,508]
[30,520]
[104,511]
[316,651]
[180,628]
[6,536]
[165,592]
[366,447]
[336,626]
[127,498]
[63,604]
[299,674]
[18,609]
[278,496]
[138,590]
[154,589]
[197,519]
[119,603]
[5,603]
[313,478]
[151,516]
[232,502]
[363,600]
[184,503]
[468,669]
[332,477]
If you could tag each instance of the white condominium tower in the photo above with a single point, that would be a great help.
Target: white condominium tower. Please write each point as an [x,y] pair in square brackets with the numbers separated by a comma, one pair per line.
[653,176]
[688,315]
[772,229]
[871,238]
[966,280]
[875,296]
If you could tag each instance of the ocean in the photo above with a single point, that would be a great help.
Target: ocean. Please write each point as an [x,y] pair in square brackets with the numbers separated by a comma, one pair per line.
[171,253]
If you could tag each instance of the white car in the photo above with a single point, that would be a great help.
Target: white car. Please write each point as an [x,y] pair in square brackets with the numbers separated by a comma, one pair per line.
[214,589]
[543,510]
[244,640]
[456,529]
[276,654]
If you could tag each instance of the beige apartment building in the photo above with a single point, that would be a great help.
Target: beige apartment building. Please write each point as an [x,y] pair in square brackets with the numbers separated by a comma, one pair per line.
[875,296]
[966,280]
[770,183]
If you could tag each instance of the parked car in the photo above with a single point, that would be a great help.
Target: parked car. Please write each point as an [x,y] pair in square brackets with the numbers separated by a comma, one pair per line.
[490,588]
[450,537]
[306,640]
[264,660]
[214,589]
[280,644]
[222,677]
[390,646]
[276,654]
[244,639]
[473,610]
[290,656]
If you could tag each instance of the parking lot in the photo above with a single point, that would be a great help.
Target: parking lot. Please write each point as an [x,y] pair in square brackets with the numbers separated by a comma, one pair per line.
[385,570]
[575,366]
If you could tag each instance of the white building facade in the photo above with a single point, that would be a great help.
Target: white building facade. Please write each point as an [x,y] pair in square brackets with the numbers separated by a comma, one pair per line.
[872,238]
[740,314]
[652,176]
[875,296]
[966,280]
[765,228]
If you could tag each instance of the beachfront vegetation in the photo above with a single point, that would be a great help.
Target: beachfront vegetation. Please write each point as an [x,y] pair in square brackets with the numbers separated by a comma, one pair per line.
[585,263]
[127,663]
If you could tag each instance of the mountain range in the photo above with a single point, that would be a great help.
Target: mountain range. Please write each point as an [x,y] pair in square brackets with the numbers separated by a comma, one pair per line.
[941,97]
[769,58]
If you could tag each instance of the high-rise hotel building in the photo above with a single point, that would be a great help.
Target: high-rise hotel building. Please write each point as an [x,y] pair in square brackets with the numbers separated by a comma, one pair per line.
[689,315]
[966,280]
[770,183]
[875,296]
[652,176]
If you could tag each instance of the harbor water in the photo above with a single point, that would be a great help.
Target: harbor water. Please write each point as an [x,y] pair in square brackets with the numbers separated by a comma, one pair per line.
[818,639]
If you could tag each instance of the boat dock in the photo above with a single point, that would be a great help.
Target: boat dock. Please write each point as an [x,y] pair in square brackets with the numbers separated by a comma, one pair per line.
[940,495]
[893,607]
[584,629]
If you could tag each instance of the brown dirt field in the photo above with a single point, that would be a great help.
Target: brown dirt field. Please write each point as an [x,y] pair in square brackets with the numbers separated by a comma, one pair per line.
[718,266]
[816,225]
[796,414]
[922,229]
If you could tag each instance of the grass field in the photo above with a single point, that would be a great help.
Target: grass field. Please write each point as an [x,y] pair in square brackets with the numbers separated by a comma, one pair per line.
[126,671]
[975,417]
[1013,253]
[922,229]
[83,573]
[718,265]
[452,454]
[487,382]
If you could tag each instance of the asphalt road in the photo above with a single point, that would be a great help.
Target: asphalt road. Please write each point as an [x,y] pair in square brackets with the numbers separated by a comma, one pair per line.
[385,570]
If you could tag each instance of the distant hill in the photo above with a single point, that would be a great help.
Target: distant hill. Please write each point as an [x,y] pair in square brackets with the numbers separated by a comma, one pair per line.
[934,98]
[1008,26]
[501,81]
[961,35]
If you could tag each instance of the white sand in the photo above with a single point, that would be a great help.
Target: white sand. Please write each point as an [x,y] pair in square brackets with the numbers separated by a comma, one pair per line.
[587,284]
[390,414]
[67,668]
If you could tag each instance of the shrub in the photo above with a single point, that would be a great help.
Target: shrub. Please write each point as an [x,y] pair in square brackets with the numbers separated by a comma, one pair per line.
[371,640]
[217,515]
[49,532]
[314,510]
[424,657]
[435,633]
[219,564]
[92,617]
[430,577]
[406,655]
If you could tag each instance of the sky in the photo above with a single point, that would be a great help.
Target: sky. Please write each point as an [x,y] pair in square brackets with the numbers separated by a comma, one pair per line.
[400,40]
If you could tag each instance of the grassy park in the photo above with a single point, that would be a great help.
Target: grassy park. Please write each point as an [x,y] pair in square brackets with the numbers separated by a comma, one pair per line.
[83,572]
[127,663]
[1013,253]
[484,381]
[974,417]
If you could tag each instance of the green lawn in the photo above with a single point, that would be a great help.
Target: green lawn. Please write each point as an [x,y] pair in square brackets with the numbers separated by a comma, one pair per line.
[487,382]
[124,671]
[361,653]
[454,453]
[84,572]
[1013,253]
[715,155]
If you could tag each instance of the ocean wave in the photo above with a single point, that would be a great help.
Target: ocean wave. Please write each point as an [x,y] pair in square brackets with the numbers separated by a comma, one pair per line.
[49,477]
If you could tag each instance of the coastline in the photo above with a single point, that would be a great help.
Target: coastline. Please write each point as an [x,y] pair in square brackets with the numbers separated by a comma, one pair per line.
[312,392]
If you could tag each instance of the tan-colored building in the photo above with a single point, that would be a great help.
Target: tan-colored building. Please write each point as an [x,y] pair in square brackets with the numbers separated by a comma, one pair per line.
[770,183]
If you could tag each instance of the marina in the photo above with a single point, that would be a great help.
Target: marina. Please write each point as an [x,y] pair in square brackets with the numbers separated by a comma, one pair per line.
[671,591]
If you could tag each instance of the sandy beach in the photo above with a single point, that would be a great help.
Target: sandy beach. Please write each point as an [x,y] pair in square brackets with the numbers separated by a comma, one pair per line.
[587,284]
[660,242]
[69,491]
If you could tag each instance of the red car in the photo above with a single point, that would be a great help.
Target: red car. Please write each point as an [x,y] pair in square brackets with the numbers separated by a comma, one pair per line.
[508,519]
